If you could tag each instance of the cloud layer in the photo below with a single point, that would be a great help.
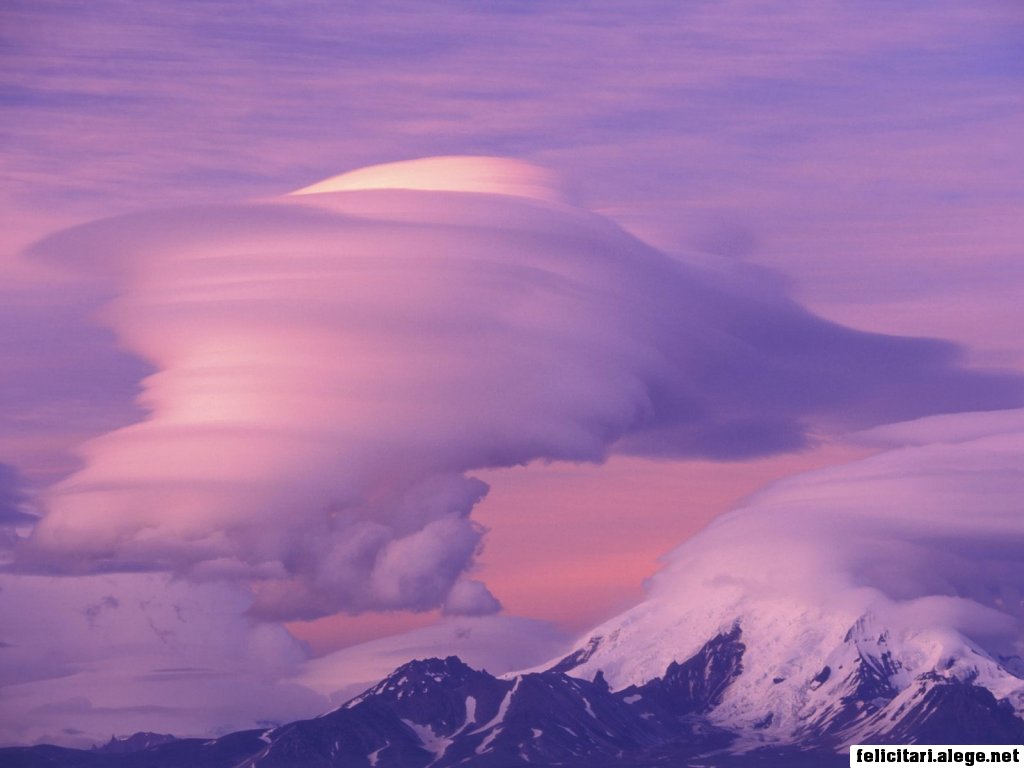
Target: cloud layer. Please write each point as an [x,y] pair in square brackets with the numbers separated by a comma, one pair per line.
[330,366]
[118,653]
[932,519]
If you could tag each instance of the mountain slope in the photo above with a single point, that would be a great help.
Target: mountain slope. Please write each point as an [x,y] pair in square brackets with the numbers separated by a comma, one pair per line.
[441,713]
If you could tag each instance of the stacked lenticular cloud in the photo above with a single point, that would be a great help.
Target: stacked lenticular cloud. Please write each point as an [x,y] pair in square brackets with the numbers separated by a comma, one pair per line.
[330,366]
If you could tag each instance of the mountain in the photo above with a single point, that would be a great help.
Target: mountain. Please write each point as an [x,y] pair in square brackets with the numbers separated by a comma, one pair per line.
[135,743]
[796,677]
[440,713]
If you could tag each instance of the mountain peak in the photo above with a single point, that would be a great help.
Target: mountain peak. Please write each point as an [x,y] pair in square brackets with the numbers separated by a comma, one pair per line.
[433,665]
[135,743]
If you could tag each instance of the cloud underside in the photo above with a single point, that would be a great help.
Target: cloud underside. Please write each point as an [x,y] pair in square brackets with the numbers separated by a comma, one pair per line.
[329,368]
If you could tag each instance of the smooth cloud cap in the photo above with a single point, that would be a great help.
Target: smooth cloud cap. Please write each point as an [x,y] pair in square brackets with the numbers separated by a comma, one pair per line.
[480,175]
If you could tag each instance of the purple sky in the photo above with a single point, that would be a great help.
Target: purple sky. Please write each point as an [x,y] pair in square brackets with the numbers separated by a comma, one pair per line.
[831,171]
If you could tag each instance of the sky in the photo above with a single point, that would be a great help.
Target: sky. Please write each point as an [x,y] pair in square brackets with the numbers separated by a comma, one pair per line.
[273,416]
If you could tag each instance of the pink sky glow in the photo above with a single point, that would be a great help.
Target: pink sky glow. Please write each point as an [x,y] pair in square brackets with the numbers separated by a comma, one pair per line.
[332,325]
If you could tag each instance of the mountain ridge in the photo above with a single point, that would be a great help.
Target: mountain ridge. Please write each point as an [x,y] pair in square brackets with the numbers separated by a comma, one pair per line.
[441,713]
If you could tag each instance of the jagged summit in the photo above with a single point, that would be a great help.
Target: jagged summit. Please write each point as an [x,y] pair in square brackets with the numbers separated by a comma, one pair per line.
[135,743]
[811,680]
[422,673]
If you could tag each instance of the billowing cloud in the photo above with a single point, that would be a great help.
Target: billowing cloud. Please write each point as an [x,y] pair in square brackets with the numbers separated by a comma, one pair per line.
[470,597]
[331,365]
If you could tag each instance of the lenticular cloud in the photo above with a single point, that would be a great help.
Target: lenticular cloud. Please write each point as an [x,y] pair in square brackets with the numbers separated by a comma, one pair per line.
[332,364]
[912,555]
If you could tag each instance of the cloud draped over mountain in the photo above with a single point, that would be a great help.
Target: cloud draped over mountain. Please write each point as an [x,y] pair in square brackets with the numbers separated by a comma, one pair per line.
[330,366]
[912,553]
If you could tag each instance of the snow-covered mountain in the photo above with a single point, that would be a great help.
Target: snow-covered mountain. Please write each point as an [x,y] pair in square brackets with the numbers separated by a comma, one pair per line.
[443,713]
[783,680]
[741,695]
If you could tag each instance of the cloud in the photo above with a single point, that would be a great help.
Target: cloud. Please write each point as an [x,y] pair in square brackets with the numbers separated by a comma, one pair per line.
[63,378]
[856,154]
[13,499]
[16,515]
[330,366]
[470,598]
[867,161]
[118,653]
[915,550]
